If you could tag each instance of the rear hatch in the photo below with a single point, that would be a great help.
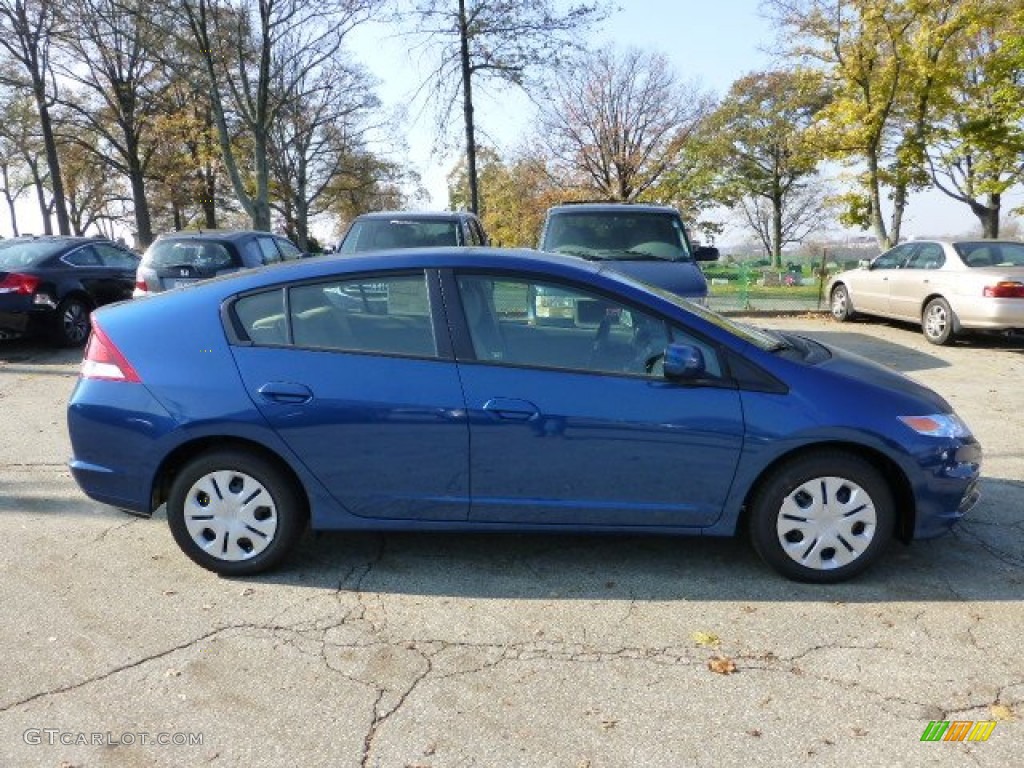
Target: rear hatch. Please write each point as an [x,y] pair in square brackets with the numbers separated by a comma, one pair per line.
[171,264]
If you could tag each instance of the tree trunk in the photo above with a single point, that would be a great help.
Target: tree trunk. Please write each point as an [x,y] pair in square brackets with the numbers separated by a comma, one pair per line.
[899,205]
[874,190]
[143,222]
[777,204]
[14,213]
[988,215]
[52,158]
[467,110]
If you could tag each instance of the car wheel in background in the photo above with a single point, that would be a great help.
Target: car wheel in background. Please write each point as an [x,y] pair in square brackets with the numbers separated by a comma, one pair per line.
[235,513]
[822,517]
[839,304]
[71,323]
[938,321]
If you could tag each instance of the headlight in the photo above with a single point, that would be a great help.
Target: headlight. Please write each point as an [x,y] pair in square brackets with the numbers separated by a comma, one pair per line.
[937,425]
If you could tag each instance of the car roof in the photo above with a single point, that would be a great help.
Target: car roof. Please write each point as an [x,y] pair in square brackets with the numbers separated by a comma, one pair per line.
[611,208]
[216,234]
[415,215]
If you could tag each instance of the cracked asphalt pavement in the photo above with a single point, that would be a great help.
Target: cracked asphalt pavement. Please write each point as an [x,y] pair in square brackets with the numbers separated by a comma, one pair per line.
[433,650]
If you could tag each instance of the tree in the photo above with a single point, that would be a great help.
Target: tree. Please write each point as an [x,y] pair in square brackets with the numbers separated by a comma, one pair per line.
[27,31]
[977,151]
[492,40]
[254,56]
[617,123]
[16,142]
[111,48]
[767,166]
[314,137]
[516,195]
[885,61]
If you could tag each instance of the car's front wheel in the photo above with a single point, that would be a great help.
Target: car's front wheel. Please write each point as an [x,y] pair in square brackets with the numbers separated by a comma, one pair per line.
[822,517]
[938,321]
[839,303]
[234,512]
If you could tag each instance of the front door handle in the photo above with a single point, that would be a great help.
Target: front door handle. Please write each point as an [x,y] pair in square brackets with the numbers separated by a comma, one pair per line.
[286,392]
[511,409]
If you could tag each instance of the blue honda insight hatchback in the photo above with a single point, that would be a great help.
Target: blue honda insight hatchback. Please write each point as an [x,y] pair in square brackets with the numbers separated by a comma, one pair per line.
[414,390]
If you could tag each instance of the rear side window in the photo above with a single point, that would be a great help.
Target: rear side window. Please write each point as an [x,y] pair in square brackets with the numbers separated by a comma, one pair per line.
[83,257]
[204,255]
[389,316]
[268,250]
[383,315]
[288,249]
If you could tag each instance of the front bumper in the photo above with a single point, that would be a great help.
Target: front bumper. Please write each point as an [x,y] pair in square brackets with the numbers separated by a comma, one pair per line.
[949,488]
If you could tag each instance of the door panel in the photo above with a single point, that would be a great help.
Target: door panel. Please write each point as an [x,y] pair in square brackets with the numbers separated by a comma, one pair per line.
[599,449]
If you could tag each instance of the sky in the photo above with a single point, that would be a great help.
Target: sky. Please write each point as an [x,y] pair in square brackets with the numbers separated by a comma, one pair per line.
[713,43]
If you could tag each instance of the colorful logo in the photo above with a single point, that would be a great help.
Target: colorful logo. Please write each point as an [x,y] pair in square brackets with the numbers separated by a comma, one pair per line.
[958,730]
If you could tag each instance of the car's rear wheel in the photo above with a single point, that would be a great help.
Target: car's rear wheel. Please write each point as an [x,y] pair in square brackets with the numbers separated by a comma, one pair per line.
[71,323]
[235,513]
[822,517]
[938,321]
[839,303]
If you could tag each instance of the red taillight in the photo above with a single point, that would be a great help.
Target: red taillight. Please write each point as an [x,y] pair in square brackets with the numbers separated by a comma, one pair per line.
[1006,289]
[17,283]
[140,286]
[104,361]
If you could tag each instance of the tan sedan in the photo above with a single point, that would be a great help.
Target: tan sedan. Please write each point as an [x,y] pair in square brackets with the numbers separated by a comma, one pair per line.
[948,286]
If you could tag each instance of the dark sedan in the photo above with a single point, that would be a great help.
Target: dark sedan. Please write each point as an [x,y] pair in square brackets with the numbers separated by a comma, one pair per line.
[290,397]
[49,285]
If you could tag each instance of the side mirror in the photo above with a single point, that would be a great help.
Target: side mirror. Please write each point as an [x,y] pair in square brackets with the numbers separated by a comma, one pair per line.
[683,362]
[864,263]
[705,253]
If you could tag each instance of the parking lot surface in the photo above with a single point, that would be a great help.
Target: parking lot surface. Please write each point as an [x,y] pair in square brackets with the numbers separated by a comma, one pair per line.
[506,650]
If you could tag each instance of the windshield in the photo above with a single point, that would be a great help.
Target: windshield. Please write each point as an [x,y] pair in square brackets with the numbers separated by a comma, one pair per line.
[27,254]
[381,234]
[628,235]
[759,337]
[991,254]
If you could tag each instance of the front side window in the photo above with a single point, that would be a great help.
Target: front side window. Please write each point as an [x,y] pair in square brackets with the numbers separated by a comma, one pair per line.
[116,257]
[546,325]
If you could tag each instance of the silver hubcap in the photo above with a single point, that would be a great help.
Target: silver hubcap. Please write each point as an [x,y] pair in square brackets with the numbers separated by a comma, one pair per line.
[839,303]
[826,523]
[76,322]
[230,515]
[935,321]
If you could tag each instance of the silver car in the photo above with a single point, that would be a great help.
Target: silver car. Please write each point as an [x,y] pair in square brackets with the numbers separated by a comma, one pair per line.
[948,286]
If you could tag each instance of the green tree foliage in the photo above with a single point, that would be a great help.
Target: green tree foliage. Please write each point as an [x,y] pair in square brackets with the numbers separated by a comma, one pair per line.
[516,196]
[767,167]
[977,146]
[886,61]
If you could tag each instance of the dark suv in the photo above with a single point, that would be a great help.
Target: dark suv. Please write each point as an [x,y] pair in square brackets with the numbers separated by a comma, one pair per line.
[404,229]
[648,242]
[180,258]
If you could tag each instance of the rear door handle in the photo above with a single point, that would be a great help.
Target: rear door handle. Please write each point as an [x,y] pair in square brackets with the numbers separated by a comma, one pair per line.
[286,392]
[511,409]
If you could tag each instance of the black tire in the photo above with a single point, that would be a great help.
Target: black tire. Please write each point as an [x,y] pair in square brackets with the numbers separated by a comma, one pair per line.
[839,499]
[247,537]
[71,325]
[938,323]
[840,305]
